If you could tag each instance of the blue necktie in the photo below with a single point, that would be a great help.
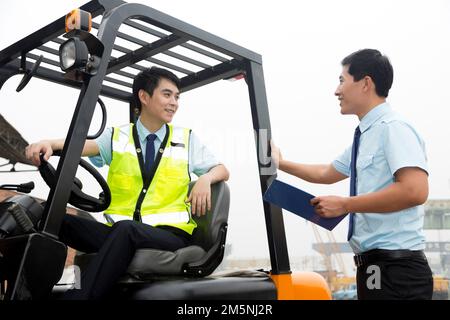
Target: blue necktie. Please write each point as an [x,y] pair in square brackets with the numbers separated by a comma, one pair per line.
[353,178]
[150,152]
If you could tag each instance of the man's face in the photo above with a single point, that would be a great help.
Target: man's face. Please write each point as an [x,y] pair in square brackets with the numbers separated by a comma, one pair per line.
[349,92]
[163,104]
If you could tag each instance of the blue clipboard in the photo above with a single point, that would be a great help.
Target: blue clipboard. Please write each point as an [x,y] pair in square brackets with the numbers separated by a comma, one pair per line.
[297,201]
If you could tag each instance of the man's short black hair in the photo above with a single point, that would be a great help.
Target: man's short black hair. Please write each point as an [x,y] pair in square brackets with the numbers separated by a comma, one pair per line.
[148,80]
[370,62]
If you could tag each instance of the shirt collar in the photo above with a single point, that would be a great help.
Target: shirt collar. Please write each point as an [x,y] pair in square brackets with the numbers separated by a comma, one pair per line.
[143,132]
[373,115]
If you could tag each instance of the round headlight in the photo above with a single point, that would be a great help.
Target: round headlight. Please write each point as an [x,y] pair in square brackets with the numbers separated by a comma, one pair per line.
[73,54]
[67,54]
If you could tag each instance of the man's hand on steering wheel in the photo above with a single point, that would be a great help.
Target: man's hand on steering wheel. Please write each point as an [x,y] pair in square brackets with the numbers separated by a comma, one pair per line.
[41,151]
[33,151]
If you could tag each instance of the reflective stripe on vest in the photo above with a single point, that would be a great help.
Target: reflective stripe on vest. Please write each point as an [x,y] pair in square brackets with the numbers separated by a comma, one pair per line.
[156,218]
[164,202]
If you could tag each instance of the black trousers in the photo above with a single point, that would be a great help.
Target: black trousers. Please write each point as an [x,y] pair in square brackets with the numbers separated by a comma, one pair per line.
[395,279]
[115,247]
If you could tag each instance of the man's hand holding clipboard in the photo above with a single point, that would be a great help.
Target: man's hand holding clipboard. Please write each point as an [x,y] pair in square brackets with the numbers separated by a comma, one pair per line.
[298,202]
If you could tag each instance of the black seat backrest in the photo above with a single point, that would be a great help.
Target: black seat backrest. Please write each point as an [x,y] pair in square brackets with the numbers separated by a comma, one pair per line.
[209,225]
[211,232]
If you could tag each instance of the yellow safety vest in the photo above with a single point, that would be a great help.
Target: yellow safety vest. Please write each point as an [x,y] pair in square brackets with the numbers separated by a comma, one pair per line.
[163,201]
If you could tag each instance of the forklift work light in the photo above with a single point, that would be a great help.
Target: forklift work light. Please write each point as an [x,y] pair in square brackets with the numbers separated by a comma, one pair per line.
[73,54]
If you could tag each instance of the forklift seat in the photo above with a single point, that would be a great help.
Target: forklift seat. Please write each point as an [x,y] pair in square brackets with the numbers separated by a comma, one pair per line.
[198,260]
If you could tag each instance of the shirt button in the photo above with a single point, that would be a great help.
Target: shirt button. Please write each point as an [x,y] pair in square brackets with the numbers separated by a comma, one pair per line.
[144,190]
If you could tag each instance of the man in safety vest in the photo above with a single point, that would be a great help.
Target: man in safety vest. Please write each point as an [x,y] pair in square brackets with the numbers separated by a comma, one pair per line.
[149,173]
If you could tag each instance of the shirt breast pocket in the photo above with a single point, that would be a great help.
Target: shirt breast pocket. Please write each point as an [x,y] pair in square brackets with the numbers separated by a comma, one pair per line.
[364,161]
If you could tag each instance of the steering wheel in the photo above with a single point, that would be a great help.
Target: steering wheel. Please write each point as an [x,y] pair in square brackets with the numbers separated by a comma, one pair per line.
[78,198]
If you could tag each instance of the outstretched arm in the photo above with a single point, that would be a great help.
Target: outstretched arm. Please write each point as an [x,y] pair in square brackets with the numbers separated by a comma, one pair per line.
[315,173]
[47,147]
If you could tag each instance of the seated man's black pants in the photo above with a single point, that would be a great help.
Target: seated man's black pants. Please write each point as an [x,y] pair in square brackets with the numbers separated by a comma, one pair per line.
[115,247]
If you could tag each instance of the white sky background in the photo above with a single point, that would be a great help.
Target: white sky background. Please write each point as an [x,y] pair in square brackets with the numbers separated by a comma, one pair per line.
[302,44]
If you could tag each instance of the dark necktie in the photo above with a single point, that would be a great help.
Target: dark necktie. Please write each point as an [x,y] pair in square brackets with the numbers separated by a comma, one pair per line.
[353,178]
[150,152]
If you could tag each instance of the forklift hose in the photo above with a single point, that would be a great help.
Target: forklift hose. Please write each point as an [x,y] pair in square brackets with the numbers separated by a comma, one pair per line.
[102,127]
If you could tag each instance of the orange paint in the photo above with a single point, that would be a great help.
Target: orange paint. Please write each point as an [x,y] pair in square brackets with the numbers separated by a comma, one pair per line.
[301,286]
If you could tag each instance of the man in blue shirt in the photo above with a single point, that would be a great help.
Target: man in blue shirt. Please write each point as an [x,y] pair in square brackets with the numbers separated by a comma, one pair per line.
[148,206]
[389,184]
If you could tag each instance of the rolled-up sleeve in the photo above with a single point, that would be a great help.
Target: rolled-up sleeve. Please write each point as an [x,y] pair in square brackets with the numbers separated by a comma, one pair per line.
[104,146]
[342,163]
[403,147]
[201,159]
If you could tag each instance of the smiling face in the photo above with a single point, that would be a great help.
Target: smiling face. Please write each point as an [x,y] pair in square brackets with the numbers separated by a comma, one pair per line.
[159,108]
[349,92]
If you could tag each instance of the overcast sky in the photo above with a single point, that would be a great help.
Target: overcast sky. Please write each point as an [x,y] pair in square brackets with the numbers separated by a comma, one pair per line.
[302,44]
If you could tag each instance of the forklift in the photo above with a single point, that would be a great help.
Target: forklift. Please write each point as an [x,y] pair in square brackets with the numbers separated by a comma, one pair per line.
[31,256]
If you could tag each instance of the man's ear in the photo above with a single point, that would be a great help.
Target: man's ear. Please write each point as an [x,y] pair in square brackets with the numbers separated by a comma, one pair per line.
[143,96]
[368,84]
